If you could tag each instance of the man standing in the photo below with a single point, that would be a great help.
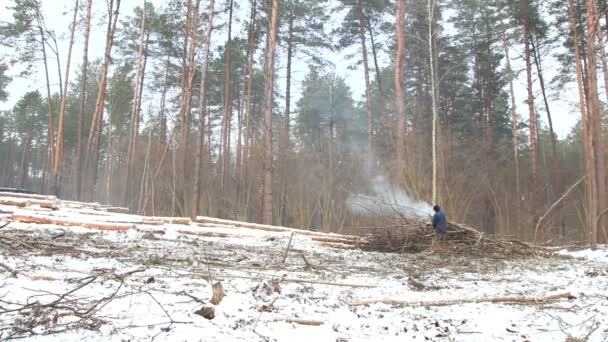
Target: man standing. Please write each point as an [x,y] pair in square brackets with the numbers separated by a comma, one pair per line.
[439,223]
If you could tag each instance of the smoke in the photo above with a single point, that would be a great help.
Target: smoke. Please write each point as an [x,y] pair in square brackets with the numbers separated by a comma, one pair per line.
[387,199]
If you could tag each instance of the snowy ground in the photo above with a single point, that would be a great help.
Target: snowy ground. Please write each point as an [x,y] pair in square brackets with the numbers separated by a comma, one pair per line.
[137,286]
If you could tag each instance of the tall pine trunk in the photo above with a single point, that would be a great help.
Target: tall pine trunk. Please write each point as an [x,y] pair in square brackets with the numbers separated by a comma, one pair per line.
[93,143]
[368,95]
[554,157]
[49,100]
[82,101]
[431,34]
[594,122]
[284,139]
[267,213]
[399,101]
[250,51]
[533,154]
[201,122]
[134,127]
[514,124]
[227,115]
[59,150]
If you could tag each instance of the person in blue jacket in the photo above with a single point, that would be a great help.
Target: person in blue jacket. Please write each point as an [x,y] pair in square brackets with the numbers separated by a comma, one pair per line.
[439,222]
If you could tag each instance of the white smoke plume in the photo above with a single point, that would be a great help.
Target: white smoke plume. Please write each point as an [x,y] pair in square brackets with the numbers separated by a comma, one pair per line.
[387,199]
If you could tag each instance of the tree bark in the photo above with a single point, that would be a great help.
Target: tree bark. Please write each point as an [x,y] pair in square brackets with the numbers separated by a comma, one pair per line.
[268,93]
[514,119]
[368,95]
[51,126]
[593,106]
[250,51]
[60,129]
[431,8]
[582,107]
[227,116]
[201,124]
[93,143]
[83,87]
[554,158]
[399,101]
[134,127]
[533,149]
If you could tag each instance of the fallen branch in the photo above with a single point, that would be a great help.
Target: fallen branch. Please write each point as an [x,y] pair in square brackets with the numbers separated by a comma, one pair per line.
[298,321]
[507,300]
[561,198]
[9,269]
[288,247]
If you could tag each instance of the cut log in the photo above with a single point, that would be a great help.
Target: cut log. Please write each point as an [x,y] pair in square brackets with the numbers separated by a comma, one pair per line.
[172,220]
[336,245]
[66,222]
[278,229]
[506,300]
[337,240]
[14,203]
[29,196]
[209,234]
[152,231]
[27,202]
[152,222]
[115,209]
[298,321]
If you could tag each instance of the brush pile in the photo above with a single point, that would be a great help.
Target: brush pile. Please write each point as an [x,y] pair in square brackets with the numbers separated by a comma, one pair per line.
[416,237]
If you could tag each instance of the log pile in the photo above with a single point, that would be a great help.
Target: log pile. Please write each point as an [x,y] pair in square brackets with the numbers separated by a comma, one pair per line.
[416,237]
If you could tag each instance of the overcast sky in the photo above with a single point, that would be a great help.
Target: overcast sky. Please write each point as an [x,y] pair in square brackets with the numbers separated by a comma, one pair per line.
[59,12]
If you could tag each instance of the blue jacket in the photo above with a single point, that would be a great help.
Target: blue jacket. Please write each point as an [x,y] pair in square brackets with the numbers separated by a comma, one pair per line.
[439,222]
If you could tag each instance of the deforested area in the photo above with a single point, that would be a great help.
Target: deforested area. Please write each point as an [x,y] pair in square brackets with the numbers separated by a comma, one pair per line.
[342,170]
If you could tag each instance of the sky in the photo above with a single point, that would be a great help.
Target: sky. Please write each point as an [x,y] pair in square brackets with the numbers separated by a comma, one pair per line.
[59,12]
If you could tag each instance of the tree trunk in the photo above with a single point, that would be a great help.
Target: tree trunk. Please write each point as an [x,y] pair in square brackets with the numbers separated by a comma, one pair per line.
[201,123]
[389,139]
[399,101]
[582,108]
[599,174]
[514,120]
[554,158]
[93,143]
[285,134]
[59,149]
[25,160]
[134,127]
[431,8]
[227,116]
[600,40]
[268,92]
[51,126]
[534,202]
[83,87]
[250,51]
[368,95]
[163,98]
